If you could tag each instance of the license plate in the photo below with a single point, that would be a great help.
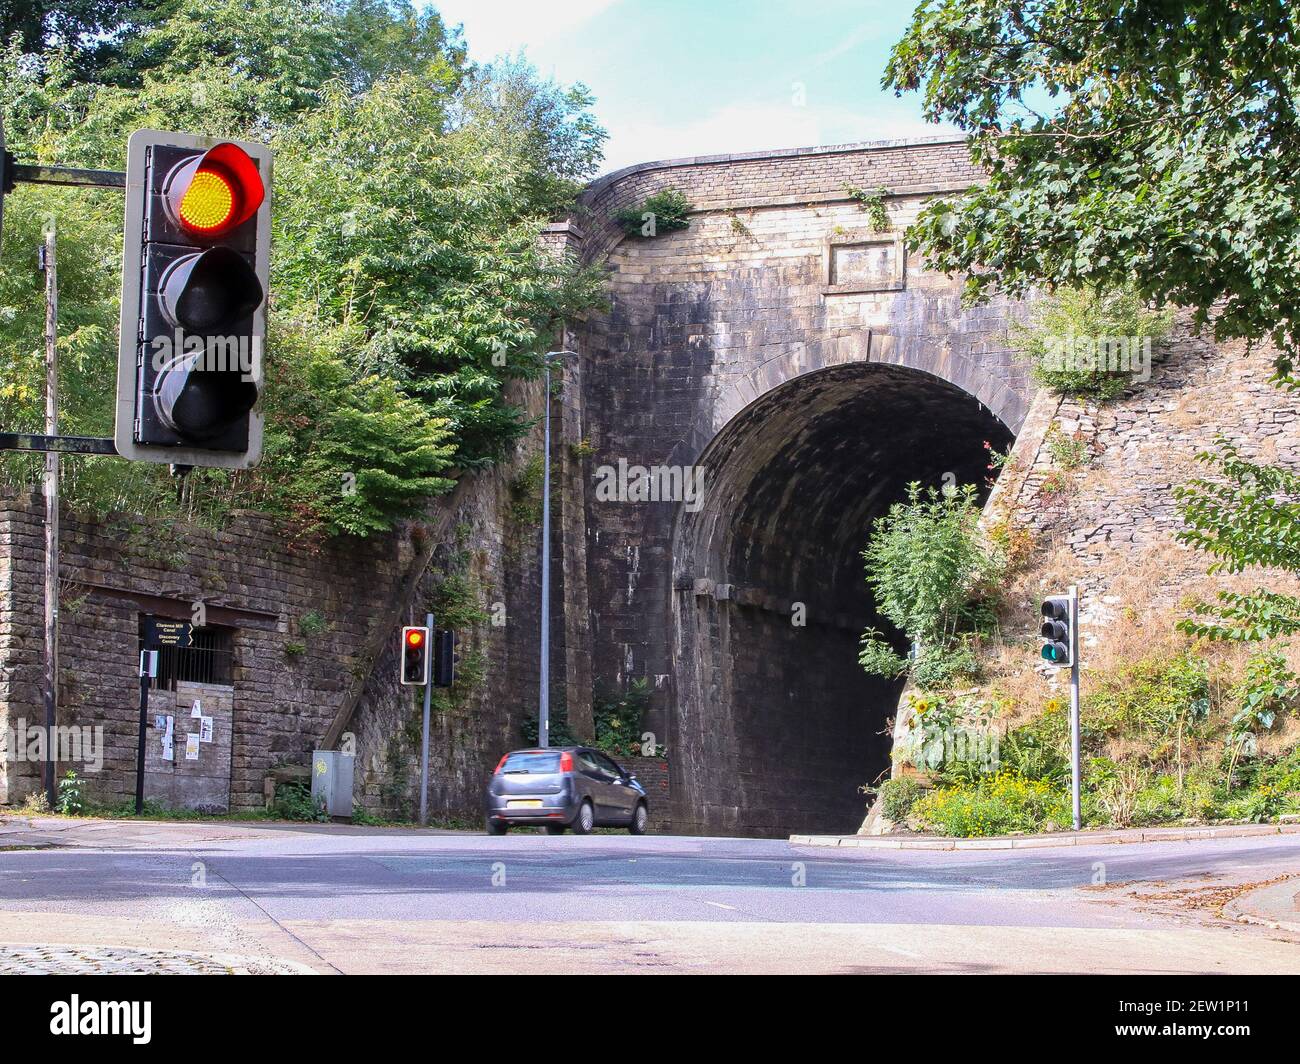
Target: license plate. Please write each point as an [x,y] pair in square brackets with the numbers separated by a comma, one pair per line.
[523,803]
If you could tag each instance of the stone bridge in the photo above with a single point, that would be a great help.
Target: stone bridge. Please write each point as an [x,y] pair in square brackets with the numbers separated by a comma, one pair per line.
[811,369]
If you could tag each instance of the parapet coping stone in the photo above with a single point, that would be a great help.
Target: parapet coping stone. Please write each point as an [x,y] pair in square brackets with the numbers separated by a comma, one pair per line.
[614,176]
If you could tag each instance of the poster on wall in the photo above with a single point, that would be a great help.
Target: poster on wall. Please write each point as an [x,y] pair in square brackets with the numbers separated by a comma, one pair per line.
[205,729]
[192,746]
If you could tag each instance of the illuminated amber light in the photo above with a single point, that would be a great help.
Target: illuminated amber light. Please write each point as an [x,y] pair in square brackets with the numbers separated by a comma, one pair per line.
[208,202]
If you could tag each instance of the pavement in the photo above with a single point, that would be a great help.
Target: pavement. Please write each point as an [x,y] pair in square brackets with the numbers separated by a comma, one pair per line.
[270,897]
[1275,905]
[1049,840]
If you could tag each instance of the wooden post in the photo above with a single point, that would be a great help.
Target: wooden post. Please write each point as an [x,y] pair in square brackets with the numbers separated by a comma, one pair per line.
[51,492]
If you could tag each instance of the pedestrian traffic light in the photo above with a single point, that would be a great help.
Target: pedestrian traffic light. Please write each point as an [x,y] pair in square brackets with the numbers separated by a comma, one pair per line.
[1057,630]
[194,286]
[445,658]
[415,655]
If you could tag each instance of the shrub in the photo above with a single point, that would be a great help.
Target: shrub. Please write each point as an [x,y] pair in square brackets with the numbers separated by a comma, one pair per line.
[1069,452]
[873,204]
[36,803]
[995,805]
[929,575]
[70,800]
[526,492]
[1085,314]
[618,719]
[293,801]
[311,623]
[1243,515]
[949,735]
[937,668]
[663,212]
[1028,753]
[897,796]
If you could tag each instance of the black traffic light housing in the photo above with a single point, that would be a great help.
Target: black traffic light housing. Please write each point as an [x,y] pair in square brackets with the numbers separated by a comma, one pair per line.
[194,288]
[445,658]
[415,656]
[1057,630]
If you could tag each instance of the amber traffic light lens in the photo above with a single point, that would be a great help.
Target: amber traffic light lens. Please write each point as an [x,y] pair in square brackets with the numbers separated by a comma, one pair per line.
[208,203]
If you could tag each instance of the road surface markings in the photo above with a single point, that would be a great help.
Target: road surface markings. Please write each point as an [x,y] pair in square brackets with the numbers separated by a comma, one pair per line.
[719,905]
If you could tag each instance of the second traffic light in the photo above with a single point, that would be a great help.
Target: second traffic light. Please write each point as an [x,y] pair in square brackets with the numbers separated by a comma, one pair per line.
[415,656]
[445,658]
[194,286]
[1057,630]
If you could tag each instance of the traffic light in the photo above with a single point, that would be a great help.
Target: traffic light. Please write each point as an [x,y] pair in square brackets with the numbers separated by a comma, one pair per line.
[415,655]
[194,286]
[1057,630]
[445,658]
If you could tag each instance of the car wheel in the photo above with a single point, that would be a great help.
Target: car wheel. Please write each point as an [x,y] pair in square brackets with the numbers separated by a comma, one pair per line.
[495,827]
[585,821]
[640,819]
[555,829]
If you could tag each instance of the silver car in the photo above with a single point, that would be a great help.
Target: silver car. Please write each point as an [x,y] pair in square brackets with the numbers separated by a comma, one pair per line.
[564,787]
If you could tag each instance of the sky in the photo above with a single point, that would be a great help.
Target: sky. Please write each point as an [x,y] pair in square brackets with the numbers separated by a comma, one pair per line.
[675,78]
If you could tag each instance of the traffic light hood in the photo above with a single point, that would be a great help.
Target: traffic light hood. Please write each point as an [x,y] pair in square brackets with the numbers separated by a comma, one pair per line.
[210,290]
[200,403]
[213,193]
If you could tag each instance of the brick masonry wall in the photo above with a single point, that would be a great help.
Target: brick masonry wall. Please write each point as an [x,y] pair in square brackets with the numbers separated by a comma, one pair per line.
[340,687]
[653,774]
[115,570]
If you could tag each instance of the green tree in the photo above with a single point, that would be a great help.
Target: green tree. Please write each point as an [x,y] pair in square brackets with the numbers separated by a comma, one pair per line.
[1150,143]
[89,30]
[1244,515]
[407,282]
[1148,146]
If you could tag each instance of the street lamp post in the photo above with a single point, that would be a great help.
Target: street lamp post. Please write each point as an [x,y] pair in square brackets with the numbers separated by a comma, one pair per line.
[544,670]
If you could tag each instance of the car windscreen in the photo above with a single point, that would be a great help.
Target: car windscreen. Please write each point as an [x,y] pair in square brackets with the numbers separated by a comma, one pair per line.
[533,762]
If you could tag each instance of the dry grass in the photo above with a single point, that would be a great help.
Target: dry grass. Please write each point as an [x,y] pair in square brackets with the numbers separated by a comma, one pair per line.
[1150,589]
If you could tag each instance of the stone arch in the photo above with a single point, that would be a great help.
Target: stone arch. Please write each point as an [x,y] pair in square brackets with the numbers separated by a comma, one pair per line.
[773,723]
[936,358]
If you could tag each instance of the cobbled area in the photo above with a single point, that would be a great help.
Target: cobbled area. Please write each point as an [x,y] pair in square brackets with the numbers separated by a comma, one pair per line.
[118,960]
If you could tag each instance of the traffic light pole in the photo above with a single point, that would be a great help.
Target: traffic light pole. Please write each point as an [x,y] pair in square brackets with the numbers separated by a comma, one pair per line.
[1075,802]
[424,741]
[148,670]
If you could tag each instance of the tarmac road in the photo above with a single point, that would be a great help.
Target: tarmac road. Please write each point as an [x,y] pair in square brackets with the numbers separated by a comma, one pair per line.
[337,899]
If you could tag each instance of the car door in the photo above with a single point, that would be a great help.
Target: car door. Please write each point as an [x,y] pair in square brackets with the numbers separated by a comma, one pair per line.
[623,796]
[600,786]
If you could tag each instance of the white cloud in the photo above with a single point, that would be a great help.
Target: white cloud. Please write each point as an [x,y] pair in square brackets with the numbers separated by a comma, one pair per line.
[758,127]
[496,27]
